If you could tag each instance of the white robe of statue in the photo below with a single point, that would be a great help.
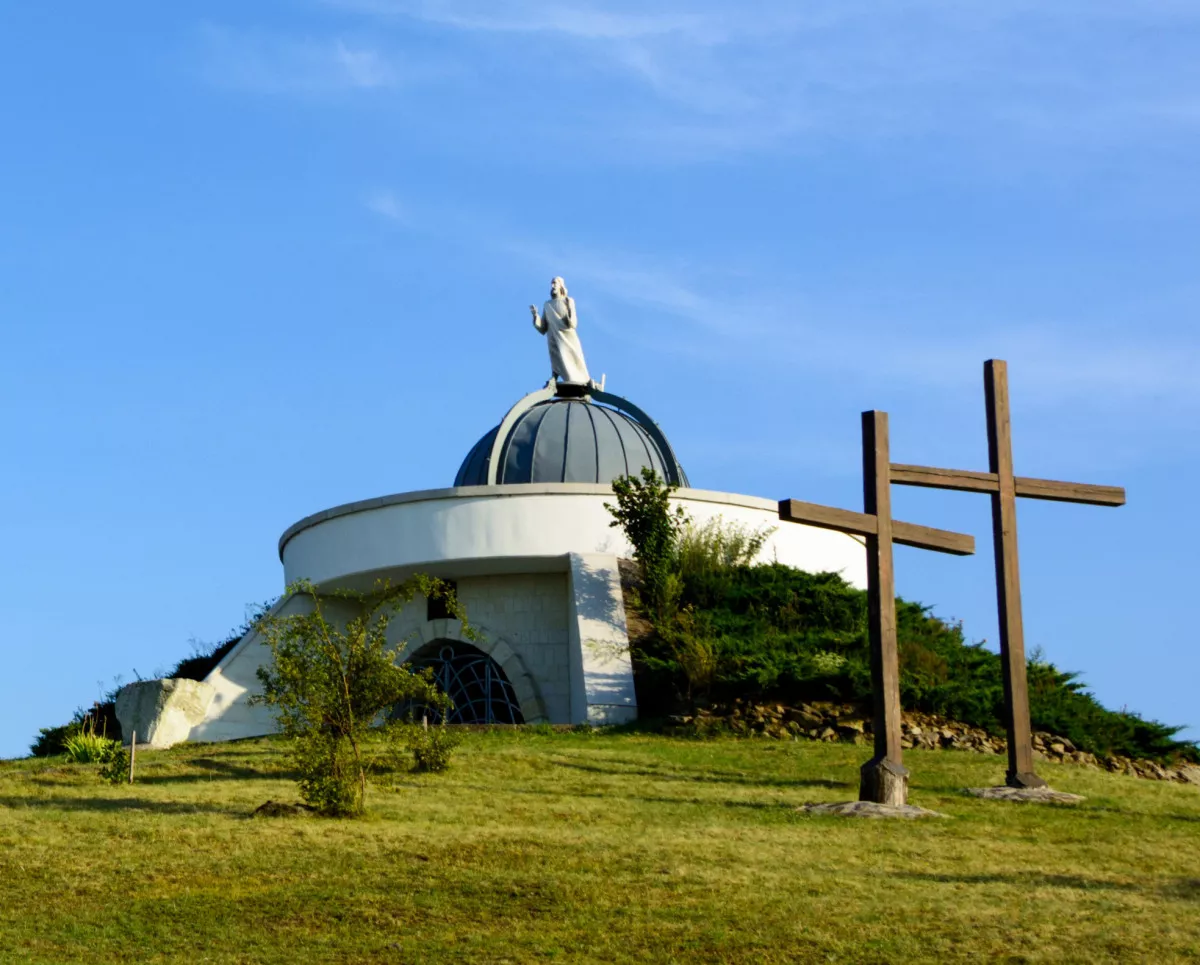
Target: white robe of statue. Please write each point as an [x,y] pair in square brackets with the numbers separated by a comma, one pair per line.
[558,322]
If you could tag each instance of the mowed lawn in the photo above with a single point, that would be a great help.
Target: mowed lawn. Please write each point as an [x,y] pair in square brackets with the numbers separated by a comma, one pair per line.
[591,848]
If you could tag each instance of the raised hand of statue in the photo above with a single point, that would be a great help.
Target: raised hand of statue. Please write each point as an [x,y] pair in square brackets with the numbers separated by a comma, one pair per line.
[538,322]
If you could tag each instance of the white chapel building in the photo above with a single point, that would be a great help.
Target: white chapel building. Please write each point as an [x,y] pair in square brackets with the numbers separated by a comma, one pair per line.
[524,536]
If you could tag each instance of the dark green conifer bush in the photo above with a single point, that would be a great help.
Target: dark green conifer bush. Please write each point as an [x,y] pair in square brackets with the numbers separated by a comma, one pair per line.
[770,632]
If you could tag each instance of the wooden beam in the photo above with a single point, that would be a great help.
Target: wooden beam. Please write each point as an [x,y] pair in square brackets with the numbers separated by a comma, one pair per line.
[1008,578]
[1069,492]
[883,778]
[860,524]
[928,538]
[827,517]
[881,586]
[964,480]
[931,478]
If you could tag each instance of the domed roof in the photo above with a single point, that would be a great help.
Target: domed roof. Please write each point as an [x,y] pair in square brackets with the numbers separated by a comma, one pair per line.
[591,439]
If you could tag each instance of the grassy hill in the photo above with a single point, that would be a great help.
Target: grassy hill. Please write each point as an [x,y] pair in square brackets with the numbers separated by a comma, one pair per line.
[594,848]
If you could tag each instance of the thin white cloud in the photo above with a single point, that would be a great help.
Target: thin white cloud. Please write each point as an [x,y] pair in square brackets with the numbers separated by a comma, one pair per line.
[722,79]
[580,21]
[364,68]
[708,313]
[263,63]
[385,204]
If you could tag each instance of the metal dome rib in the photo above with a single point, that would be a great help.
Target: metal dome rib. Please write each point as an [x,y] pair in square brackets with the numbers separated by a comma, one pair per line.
[547,439]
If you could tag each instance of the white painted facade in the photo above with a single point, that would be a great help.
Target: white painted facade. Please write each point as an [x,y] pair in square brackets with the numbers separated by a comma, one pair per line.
[536,571]
[520,528]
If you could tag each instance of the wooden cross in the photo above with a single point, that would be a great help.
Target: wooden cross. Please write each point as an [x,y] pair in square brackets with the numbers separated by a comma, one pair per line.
[1004,488]
[883,778]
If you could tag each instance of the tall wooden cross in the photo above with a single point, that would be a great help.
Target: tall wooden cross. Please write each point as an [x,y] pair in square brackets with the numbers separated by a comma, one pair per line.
[883,778]
[1004,488]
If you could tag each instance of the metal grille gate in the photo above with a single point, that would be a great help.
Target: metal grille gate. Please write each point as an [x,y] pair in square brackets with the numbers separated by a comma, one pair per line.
[481,692]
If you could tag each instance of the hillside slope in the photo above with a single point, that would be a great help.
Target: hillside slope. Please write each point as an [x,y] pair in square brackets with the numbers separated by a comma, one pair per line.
[590,848]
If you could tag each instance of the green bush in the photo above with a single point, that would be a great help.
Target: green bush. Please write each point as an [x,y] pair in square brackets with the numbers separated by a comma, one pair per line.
[115,767]
[432,747]
[102,717]
[792,636]
[51,741]
[725,628]
[643,510]
[716,547]
[333,675]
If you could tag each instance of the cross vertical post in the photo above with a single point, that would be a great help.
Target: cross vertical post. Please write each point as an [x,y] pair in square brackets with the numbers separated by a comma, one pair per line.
[1008,578]
[883,778]
[1005,488]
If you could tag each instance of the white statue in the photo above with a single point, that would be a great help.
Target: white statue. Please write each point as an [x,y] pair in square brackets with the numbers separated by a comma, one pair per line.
[558,322]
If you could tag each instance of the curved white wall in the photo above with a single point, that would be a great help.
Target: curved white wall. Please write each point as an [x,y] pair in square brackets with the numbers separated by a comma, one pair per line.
[495,529]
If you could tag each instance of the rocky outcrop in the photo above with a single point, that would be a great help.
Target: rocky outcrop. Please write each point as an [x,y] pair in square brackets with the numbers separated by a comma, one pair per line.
[852,723]
[162,712]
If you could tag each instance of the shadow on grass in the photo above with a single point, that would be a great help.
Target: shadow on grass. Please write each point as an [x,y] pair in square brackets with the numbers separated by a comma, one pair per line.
[217,770]
[1026,879]
[709,777]
[101,804]
[1096,808]
[698,802]
[960,791]
[1185,888]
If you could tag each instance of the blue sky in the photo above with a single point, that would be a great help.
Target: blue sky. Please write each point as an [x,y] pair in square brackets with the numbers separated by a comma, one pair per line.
[260,259]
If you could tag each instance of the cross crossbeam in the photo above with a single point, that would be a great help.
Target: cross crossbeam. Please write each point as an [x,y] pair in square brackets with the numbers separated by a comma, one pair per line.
[883,779]
[989,482]
[1004,487]
[863,524]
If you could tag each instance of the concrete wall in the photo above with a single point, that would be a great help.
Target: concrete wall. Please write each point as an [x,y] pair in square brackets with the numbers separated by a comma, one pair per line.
[499,529]
[523,624]
[536,571]
[602,690]
[234,680]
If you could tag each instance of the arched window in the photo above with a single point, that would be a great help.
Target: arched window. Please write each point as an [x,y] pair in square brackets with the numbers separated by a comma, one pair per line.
[481,691]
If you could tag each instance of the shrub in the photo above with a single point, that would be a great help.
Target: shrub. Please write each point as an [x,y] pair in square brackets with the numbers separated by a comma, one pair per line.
[726,628]
[694,649]
[333,676]
[717,547]
[783,634]
[51,741]
[643,511]
[432,747]
[102,717]
[115,767]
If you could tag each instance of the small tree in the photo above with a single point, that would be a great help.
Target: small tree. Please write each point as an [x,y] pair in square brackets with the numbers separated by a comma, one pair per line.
[334,676]
[672,551]
[643,511]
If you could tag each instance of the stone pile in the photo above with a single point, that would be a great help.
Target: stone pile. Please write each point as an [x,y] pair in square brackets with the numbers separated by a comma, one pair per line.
[851,723]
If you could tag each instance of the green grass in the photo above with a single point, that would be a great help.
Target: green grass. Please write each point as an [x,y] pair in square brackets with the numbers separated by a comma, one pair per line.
[592,848]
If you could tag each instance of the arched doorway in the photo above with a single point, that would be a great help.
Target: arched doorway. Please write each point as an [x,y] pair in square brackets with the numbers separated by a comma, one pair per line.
[480,689]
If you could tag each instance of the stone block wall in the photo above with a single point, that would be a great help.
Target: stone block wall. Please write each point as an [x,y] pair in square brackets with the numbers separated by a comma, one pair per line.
[522,620]
[528,623]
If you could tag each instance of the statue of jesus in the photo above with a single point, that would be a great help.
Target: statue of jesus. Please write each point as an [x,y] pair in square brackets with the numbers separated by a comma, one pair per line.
[557,321]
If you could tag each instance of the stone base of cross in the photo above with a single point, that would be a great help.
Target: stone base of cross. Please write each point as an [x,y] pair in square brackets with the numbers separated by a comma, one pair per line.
[884,779]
